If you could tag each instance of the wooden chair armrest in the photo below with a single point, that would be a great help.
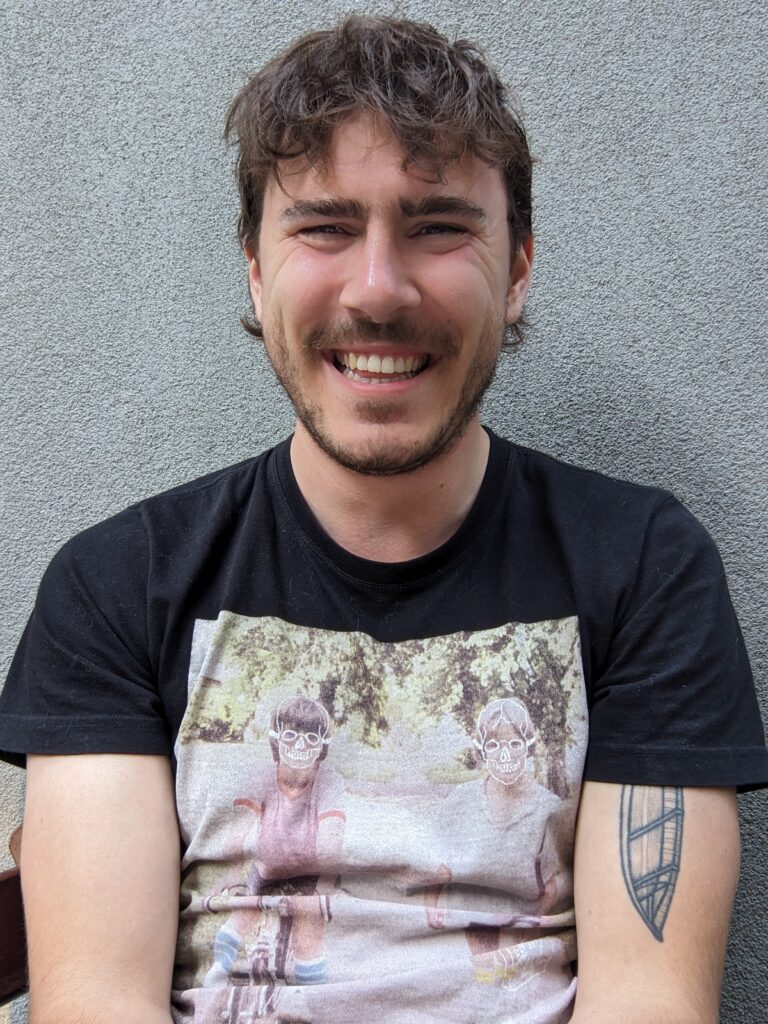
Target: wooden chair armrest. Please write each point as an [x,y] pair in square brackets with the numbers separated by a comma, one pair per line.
[14,845]
[13,942]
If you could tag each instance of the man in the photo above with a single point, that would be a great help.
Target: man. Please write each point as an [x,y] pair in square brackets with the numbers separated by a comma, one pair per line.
[294,828]
[411,569]
[514,815]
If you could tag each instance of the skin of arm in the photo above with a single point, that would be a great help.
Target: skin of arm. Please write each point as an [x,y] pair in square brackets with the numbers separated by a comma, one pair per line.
[330,837]
[626,972]
[247,813]
[435,914]
[100,880]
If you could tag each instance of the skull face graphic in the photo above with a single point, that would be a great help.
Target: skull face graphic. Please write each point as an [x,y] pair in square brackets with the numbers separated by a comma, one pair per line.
[299,749]
[299,733]
[504,736]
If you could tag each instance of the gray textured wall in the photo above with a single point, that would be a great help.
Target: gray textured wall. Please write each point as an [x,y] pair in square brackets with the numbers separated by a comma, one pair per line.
[125,370]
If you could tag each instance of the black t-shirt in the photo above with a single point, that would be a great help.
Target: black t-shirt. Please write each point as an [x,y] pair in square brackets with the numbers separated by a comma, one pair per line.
[104,661]
[393,751]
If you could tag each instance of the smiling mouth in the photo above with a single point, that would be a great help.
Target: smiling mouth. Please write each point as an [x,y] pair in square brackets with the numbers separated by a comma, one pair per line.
[505,767]
[302,756]
[375,369]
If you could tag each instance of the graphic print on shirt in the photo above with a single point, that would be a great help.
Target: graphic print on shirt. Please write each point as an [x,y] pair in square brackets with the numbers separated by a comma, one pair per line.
[356,812]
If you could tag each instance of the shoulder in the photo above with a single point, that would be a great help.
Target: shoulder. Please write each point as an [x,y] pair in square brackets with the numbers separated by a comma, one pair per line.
[329,787]
[261,781]
[585,490]
[613,526]
[183,513]
[223,492]
[542,797]
[461,795]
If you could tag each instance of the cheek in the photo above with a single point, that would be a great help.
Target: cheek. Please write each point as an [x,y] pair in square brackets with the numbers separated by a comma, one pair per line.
[304,287]
[463,290]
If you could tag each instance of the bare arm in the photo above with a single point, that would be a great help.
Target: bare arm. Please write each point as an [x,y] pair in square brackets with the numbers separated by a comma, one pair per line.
[100,878]
[655,873]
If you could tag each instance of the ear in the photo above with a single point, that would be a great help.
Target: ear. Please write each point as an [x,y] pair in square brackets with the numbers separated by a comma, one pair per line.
[254,279]
[519,280]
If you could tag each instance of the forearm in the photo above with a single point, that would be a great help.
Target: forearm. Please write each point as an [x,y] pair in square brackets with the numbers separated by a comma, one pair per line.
[96,1008]
[100,878]
[655,870]
[611,1012]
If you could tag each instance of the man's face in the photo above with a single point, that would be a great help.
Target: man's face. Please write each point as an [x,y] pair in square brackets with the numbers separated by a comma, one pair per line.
[505,752]
[298,748]
[383,296]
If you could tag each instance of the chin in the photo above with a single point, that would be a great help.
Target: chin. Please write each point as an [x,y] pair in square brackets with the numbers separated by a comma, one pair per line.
[386,451]
[384,456]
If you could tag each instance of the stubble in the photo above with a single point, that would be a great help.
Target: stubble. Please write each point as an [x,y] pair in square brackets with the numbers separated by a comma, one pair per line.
[385,459]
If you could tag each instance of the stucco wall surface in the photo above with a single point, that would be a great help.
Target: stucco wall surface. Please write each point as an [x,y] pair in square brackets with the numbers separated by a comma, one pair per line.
[125,371]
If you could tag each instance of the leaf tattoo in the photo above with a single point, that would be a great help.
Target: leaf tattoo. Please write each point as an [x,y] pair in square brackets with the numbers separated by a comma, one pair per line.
[651,837]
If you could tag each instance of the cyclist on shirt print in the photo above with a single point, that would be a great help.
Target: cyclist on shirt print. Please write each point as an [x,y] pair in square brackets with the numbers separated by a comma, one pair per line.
[508,817]
[292,837]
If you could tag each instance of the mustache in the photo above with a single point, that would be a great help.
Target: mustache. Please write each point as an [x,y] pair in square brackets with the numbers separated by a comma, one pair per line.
[435,340]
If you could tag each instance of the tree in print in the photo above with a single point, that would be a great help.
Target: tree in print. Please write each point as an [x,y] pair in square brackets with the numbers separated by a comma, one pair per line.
[394,693]
[533,664]
[357,693]
[260,659]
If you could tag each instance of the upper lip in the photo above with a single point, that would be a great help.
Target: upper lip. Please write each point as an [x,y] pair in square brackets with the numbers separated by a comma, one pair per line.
[379,348]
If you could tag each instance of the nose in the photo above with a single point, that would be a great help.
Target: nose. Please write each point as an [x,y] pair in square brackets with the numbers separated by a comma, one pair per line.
[504,753]
[380,283]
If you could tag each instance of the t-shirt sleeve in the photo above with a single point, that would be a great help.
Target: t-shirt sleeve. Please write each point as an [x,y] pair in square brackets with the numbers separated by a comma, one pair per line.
[82,680]
[673,701]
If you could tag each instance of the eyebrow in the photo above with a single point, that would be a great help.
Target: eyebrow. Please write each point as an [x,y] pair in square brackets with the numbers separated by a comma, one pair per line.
[302,208]
[429,206]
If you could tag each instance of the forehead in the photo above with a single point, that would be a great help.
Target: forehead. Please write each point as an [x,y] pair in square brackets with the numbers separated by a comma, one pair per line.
[501,727]
[366,163]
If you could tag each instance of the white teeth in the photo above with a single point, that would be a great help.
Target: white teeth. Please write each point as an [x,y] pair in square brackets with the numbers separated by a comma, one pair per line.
[387,366]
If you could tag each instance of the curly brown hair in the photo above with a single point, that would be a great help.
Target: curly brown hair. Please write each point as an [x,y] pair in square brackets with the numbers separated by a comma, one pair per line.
[440,100]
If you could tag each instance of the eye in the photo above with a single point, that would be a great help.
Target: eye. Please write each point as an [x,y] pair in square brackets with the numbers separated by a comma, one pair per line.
[441,229]
[323,229]
[491,746]
[288,735]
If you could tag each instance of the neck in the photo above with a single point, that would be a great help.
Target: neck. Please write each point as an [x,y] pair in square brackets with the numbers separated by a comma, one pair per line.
[392,518]
[294,780]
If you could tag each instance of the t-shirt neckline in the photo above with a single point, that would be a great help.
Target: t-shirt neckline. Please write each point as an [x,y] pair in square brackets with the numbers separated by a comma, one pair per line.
[396,573]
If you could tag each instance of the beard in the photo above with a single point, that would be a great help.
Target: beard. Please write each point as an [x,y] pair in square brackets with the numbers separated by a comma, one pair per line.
[387,458]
